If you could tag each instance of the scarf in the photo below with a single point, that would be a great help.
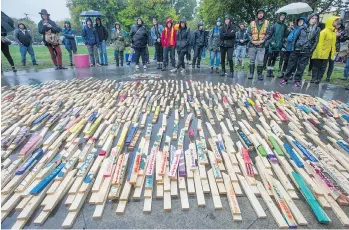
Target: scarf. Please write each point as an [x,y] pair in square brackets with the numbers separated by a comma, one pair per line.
[216,30]
[171,39]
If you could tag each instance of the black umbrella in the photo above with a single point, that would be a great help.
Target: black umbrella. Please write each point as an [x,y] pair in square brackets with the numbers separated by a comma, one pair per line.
[7,23]
[91,13]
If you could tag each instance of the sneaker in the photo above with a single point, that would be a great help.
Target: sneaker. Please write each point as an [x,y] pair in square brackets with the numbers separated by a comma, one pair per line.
[173,70]
[62,67]
[260,77]
[137,66]
[23,63]
[327,80]
[35,63]
[106,64]
[128,63]
[283,82]
[164,69]
[211,70]
[98,64]
[183,71]
[217,70]
[317,82]
[298,84]
[71,64]
[57,67]
[312,81]
[144,67]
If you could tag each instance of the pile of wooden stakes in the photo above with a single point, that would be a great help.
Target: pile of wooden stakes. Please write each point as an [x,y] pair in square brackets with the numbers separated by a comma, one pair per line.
[117,141]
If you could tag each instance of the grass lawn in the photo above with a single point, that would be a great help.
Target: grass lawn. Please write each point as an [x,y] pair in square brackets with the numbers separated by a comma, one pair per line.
[44,60]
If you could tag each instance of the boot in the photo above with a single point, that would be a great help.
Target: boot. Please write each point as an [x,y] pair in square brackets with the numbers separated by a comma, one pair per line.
[217,70]
[223,72]
[251,71]
[198,66]
[23,63]
[260,73]
[269,73]
[159,66]
[327,79]
[163,68]
[211,70]
[281,75]
[62,67]
[231,65]
[231,74]
[347,88]
[14,69]
[122,62]
[117,61]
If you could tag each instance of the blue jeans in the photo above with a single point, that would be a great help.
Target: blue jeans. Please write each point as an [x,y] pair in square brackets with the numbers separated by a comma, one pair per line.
[217,55]
[240,52]
[203,54]
[103,52]
[24,50]
[346,69]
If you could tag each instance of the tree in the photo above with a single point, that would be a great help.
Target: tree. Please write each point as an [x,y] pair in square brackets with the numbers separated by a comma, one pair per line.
[185,8]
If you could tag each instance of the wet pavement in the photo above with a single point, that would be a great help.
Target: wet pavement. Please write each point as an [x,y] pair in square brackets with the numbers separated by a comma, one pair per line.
[196,217]
[323,90]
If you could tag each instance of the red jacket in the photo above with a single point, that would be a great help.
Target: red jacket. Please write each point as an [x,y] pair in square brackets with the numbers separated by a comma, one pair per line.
[168,37]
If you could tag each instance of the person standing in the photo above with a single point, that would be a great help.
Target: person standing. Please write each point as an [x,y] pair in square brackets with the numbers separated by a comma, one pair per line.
[49,30]
[89,34]
[139,38]
[257,32]
[118,38]
[346,68]
[241,43]
[325,49]
[199,42]
[276,36]
[303,46]
[182,44]
[214,43]
[24,39]
[69,40]
[5,49]
[227,35]
[156,32]
[102,34]
[168,42]
[341,35]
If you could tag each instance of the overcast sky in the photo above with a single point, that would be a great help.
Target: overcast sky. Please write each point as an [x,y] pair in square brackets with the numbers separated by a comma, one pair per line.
[17,8]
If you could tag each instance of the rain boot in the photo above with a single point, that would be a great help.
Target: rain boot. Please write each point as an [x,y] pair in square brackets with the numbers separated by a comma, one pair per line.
[251,71]
[260,73]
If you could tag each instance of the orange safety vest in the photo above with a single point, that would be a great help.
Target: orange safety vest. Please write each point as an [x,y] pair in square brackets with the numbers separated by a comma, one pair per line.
[259,35]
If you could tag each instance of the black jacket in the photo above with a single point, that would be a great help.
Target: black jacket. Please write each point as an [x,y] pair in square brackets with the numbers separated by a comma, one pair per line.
[102,32]
[305,40]
[199,39]
[242,35]
[228,34]
[183,39]
[139,36]
[43,28]
[22,38]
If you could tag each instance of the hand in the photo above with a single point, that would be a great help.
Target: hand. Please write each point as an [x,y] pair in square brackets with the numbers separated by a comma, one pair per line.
[241,41]
[158,40]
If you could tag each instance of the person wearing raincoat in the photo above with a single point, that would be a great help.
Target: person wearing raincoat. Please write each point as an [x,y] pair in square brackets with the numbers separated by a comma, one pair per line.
[69,40]
[118,38]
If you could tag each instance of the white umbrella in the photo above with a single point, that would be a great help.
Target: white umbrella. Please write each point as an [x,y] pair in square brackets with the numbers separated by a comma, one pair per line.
[295,8]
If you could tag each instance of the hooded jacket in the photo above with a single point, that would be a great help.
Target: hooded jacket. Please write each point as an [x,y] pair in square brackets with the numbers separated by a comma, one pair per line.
[44,28]
[214,38]
[169,35]
[259,29]
[156,32]
[199,37]
[102,32]
[227,35]
[277,33]
[22,37]
[306,37]
[69,39]
[342,37]
[183,37]
[292,34]
[118,38]
[241,35]
[327,41]
[89,34]
[139,35]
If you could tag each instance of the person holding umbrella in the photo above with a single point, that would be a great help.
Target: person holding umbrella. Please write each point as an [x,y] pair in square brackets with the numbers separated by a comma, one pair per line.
[257,32]
[69,40]
[276,36]
[49,31]
[90,37]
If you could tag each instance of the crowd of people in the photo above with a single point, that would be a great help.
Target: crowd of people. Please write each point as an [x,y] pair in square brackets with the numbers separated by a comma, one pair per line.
[306,42]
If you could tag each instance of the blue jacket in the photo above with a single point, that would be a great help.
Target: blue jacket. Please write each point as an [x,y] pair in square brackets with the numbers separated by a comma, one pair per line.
[292,35]
[69,39]
[154,35]
[89,34]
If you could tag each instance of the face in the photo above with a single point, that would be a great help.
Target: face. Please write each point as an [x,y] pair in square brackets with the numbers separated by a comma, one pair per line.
[155,21]
[139,22]
[117,26]
[182,25]
[21,26]
[44,16]
[282,17]
[218,23]
[335,23]
[66,25]
[300,22]
[260,15]
[227,21]
[313,20]
[242,26]
[169,24]
[98,21]
[88,22]
[201,27]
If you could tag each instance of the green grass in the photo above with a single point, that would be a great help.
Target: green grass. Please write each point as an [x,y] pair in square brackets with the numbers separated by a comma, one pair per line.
[43,58]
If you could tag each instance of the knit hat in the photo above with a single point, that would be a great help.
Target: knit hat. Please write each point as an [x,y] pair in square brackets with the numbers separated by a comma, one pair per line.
[219,20]
[227,16]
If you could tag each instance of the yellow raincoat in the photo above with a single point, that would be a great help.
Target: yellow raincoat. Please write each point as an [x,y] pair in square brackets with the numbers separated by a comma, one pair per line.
[327,41]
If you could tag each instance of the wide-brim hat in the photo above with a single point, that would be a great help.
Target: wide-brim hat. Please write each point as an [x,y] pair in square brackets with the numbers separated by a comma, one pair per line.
[43,11]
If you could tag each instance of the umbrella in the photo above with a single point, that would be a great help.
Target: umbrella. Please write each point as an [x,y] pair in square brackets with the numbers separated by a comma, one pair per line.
[91,13]
[295,8]
[7,23]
